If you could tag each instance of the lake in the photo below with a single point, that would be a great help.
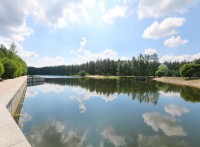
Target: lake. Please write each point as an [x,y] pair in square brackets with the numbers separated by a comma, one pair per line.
[80,112]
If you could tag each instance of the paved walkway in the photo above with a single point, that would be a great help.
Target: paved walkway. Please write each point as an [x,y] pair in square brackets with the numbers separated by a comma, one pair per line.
[10,133]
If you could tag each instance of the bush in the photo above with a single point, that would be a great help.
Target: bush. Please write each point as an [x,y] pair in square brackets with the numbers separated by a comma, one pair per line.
[160,73]
[82,73]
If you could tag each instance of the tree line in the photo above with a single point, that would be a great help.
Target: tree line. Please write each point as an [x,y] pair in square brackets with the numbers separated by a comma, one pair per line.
[143,65]
[11,65]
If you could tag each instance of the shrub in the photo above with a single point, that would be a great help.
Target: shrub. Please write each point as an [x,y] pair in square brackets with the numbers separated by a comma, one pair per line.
[82,73]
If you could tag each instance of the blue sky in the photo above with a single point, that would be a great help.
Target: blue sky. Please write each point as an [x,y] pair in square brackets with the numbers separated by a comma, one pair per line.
[57,32]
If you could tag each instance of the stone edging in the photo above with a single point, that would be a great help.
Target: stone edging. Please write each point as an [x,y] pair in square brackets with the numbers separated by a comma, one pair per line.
[11,92]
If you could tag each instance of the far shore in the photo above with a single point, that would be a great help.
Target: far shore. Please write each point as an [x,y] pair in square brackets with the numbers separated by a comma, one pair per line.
[173,80]
[179,81]
[101,77]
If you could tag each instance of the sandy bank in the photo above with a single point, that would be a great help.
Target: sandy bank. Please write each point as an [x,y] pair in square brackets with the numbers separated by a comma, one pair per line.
[179,81]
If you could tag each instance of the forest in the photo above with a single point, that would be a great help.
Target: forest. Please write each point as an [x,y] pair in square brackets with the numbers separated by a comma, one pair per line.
[143,65]
[11,65]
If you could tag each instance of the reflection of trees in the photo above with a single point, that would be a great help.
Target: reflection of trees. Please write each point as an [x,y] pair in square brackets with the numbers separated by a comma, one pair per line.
[142,91]
[188,93]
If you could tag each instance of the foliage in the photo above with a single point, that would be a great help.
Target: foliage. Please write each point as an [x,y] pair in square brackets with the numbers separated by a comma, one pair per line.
[197,61]
[162,70]
[82,73]
[10,68]
[1,69]
[13,65]
[189,70]
[143,65]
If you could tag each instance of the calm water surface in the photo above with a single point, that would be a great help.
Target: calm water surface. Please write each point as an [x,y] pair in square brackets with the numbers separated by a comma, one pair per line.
[78,112]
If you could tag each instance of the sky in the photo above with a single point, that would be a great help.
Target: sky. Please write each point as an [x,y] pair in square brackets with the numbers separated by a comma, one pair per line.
[65,32]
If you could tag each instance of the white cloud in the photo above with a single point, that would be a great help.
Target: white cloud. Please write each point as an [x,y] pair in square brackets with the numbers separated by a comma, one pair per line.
[24,54]
[110,135]
[58,14]
[53,13]
[175,110]
[172,58]
[13,20]
[33,59]
[164,123]
[83,55]
[83,42]
[150,51]
[165,28]
[175,41]
[45,61]
[158,8]
[118,11]
[125,58]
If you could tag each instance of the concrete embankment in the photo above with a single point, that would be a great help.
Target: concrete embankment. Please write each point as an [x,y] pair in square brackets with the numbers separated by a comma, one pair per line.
[11,92]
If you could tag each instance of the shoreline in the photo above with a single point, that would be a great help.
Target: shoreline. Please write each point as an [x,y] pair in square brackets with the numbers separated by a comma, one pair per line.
[101,77]
[172,80]
[179,81]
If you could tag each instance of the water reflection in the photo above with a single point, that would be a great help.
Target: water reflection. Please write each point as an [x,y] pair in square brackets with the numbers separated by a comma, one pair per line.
[81,95]
[101,113]
[55,135]
[108,88]
[164,123]
[188,93]
[24,117]
[109,134]
[143,92]
[175,110]
[160,141]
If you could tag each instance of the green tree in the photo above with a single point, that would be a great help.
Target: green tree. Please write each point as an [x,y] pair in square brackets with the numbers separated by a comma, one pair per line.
[10,68]
[1,69]
[13,48]
[162,70]
[82,73]
[188,70]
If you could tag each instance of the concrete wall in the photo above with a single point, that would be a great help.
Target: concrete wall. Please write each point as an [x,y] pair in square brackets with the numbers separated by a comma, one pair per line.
[17,98]
[12,91]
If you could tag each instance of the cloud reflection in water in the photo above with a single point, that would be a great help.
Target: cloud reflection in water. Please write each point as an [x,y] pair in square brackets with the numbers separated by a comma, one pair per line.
[175,110]
[165,123]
